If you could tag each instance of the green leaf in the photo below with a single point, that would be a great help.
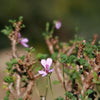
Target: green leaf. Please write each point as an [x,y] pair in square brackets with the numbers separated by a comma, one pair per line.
[23,26]
[60,98]
[74,98]
[20,18]
[69,94]
[95,75]
[4,86]
[7,95]
[12,21]
[20,99]
[42,56]
[89,91]
[9,66]
[63,58]
[54,55]
[81,97]
[14,61]
[47,26]
[33,49]
[8,79]
[6,31]
[22,57]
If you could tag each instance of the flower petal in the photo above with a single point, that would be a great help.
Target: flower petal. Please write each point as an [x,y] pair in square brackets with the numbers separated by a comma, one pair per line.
[43,62]
[49,62]
[24,40]
[43,73]
[25,45]
[58,25]
[51,70]
[19,35]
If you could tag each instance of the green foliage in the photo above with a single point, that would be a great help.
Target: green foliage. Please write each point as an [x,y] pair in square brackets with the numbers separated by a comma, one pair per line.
[14,61]
[47,33]
[63,58]
[95,79]
[7,95]
[54,56]
[30,50]
[49,30]
[71,59]
[88,92]
[20,18]
[9,66]
[12,21]
[75,75]
[70,95]
[83,62]
[89,50]
[60,98]
[22,57]
[47,26]
[8,79]
[42,56]
[7,30]
[81,97]
[23,26]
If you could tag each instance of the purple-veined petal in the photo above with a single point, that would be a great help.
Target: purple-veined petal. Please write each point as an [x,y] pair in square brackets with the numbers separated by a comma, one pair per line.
[19,35]
[24,40]
[43,62]
[25,45]
[58,25]
[51,70]
[43,73]
[49,62]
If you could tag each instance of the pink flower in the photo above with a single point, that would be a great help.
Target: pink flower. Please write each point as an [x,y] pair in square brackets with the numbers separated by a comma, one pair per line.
[23,41]
[58,24]
[46,64]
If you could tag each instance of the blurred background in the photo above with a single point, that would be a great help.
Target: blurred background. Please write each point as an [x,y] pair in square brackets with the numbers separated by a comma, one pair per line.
[81,14]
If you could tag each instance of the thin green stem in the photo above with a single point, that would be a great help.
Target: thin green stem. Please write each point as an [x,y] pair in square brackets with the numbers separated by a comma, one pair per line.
[52,29]
[64,78]
[51,88]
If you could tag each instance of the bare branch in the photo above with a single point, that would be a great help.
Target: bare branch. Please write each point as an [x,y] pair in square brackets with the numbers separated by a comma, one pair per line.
[11,90]
[18,82]
[94,40]
[71,49]
[50,46]
[28,90]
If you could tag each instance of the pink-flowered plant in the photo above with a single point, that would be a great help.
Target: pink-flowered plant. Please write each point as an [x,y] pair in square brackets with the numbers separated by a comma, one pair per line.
[46,64]
[58,24]
[23,41]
